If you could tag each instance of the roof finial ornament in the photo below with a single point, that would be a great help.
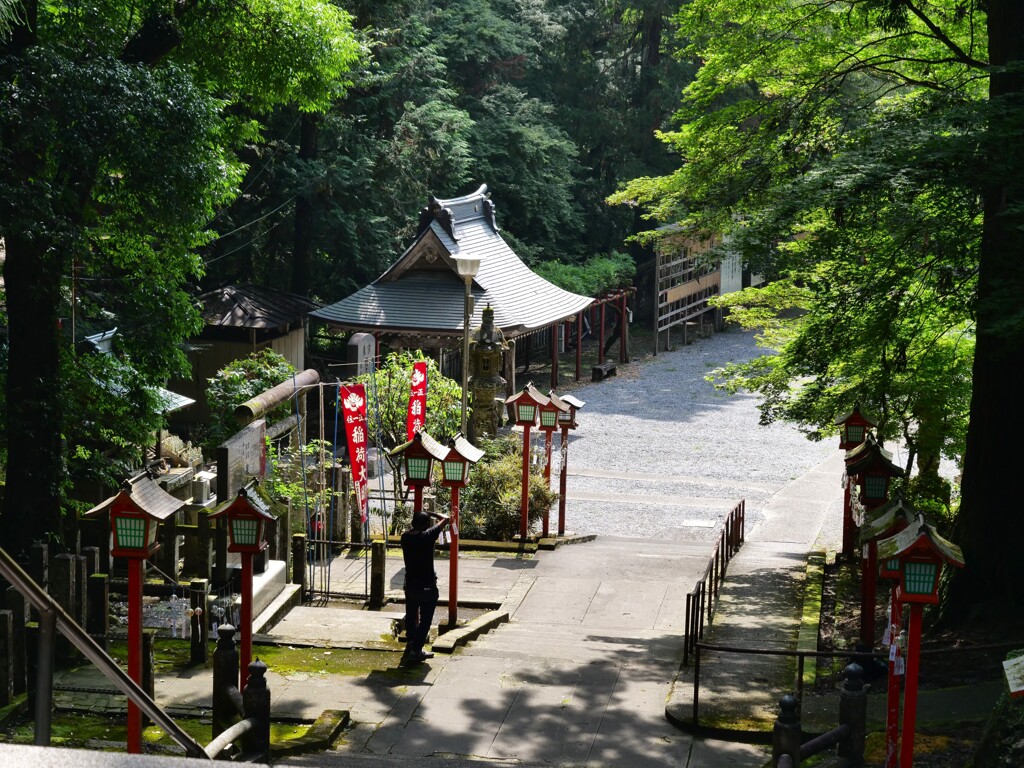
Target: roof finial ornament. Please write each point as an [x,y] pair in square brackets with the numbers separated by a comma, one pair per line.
[489,212]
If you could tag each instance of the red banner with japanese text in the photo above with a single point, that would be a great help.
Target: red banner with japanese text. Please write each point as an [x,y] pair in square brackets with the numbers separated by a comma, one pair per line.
[352,400]
[417,399]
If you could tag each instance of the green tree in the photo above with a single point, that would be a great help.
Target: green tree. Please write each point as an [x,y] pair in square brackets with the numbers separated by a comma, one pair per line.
[116,149]
[241,380]
[865,150]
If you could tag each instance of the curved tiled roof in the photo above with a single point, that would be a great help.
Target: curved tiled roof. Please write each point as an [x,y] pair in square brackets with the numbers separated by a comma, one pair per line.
[422,290]
[252,306]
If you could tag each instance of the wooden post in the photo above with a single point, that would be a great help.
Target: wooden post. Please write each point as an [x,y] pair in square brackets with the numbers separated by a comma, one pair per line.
[562,480]
[600,341]
[579,345]
[299,563]
[547,474]
[97,622]
[555,327]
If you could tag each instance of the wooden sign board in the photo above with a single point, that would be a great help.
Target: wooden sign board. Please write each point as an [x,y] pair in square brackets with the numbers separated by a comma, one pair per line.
[1014,671]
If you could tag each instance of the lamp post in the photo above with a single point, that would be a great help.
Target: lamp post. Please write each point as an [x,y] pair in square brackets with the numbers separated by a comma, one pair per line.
[853,428]
[468,267]
[884,521]
[135,514]
[567,421]
[920,553]
[247,517]
[526,405]
[549,415]
[418,456]
[455,475]
[870,468]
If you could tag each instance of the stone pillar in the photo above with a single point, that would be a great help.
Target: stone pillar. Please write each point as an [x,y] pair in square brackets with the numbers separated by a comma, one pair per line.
[378,560]
[97,622]
[225,680]
[786,732]
[299,564]
[62,589]
[256,704]
[853,711]
[39,568]
[15,602]
[81,590]
[148,667]
[204,546]
[6,658]
[168,556]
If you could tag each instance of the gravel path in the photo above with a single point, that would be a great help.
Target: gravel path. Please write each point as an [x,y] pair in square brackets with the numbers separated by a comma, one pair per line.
[661,453]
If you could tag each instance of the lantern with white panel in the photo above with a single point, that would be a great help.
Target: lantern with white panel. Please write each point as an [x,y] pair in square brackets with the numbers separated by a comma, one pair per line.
[456,464]
[247,516]
[921,553]
[526,407]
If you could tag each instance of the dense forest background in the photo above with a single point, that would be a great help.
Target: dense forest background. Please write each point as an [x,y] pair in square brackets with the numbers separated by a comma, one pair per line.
[552,104]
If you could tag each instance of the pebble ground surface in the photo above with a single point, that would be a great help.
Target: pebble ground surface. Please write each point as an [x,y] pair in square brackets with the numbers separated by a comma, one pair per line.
[660,452]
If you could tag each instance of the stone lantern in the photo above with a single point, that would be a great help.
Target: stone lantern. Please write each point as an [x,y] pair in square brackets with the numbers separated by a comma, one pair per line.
[487,348]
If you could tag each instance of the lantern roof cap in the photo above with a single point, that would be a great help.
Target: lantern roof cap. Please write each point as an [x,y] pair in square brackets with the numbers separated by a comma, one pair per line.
[247,498]
[880,519]
[868,453]
[429,444]
[529,392]
[575,402]
[557,402]
[465,449]
[860,416]
[920,535]
[145,494]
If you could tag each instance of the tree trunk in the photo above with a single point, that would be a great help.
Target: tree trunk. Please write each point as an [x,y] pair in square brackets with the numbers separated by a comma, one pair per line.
[35,468]
[990,527]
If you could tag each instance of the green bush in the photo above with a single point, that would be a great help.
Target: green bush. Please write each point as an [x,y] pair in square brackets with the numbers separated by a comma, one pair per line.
[596,276]
[490,505]
[237,382]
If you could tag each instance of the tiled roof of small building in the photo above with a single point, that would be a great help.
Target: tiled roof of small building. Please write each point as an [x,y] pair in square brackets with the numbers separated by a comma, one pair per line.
[422,290]
[251,306]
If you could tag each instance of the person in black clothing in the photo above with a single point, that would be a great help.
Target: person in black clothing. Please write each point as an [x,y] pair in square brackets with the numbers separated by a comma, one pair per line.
[420,581]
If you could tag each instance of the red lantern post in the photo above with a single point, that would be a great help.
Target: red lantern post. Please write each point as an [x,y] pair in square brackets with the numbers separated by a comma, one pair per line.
[135,513]
[247,516]
[455,468]
[853,428]
[550,413]
[419,455]
[920,552]
[882,522]
[567,421]
[526,405]
[870,469]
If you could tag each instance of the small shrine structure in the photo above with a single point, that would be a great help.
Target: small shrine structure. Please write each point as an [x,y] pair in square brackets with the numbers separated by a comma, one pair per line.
[419,301]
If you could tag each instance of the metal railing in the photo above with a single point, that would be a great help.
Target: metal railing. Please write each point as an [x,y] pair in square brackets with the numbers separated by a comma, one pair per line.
[53,617]
[699,603]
